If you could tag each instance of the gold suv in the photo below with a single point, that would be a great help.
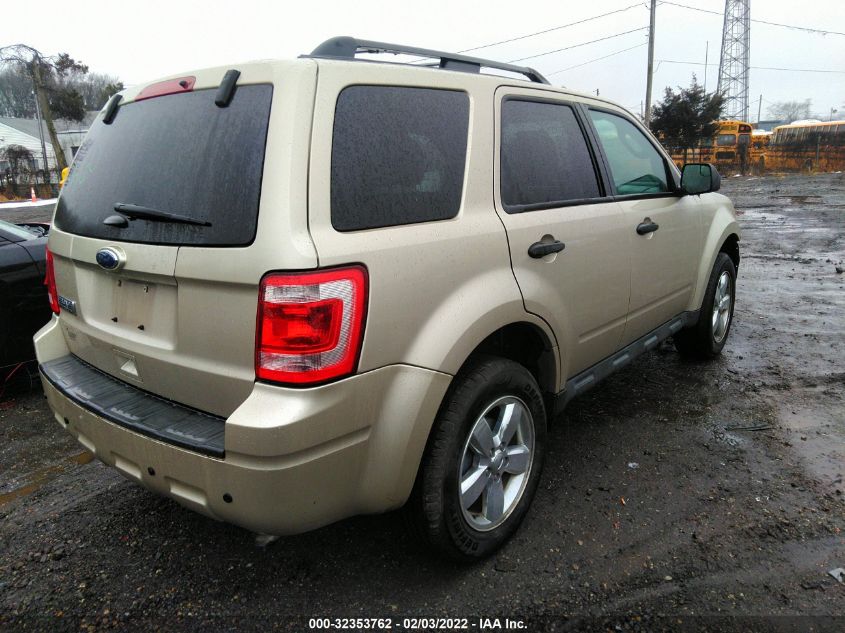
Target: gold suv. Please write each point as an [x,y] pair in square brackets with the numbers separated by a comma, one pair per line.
[289,292]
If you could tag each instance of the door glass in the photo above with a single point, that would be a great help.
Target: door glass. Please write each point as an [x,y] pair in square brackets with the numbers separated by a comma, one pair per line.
[635,165]
[545,160]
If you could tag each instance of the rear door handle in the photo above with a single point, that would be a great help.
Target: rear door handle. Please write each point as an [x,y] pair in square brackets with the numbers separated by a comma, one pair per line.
[541,249]
[647,226]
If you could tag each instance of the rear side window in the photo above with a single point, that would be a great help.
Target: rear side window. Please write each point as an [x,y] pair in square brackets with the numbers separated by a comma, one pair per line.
[545,159]
[398,156]
[179,154]
[635,165]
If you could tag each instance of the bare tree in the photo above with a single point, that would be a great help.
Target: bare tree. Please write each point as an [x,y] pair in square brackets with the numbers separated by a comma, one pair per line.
[16,95]
[43,70]
[19,159]
[94,88]
[789,111]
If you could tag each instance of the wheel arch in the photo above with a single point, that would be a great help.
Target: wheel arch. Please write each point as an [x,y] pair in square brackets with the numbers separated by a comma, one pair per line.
[527,342]
[528,345]
[731,247]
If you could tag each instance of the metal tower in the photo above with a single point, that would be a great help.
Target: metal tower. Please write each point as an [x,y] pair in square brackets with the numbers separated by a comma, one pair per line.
[733,63]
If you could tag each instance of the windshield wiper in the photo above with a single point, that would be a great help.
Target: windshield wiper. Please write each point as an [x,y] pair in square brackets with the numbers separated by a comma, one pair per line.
[137,212]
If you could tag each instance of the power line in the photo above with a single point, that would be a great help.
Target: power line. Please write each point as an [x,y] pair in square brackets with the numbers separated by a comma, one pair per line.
[793,70]
[597,59]
[566,48]
[554,28]
[786,26]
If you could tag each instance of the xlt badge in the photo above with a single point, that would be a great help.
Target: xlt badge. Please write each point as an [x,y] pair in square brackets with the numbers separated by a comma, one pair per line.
[68,305]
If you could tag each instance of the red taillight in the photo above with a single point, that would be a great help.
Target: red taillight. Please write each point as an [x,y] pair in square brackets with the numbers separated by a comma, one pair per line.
[50,282]
[310,325]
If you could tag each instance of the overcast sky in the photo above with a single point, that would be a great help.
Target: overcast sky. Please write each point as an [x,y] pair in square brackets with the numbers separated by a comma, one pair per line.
[140,41]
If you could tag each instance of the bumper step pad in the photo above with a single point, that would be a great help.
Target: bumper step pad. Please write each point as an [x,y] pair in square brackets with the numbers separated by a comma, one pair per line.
[135,409]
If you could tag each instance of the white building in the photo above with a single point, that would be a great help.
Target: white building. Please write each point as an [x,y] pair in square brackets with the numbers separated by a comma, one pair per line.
[24,132]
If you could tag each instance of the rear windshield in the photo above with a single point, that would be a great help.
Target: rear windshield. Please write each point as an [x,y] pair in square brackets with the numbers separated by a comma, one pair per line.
[179,154]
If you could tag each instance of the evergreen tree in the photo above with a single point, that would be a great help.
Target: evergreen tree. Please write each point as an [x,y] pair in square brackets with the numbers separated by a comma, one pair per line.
[687,117]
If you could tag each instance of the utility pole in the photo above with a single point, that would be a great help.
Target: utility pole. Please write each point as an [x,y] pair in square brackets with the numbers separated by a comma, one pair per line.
[706,55]
[41,133]
[759,108]
[647,114]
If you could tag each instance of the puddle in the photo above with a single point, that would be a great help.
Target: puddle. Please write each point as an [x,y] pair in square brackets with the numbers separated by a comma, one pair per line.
[817,433]
[40,477]
[808,199]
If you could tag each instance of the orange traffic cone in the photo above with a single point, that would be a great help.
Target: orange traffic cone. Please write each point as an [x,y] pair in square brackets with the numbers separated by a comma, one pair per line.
[32,194]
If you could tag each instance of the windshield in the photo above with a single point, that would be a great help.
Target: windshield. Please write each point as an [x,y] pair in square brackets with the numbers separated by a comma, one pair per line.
[179,154]
[726,139]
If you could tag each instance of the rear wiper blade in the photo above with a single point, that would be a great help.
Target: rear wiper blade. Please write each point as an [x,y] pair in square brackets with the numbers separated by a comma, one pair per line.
[136,211]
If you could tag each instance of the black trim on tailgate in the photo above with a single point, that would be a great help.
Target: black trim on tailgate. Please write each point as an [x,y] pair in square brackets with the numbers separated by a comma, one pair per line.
[135,409]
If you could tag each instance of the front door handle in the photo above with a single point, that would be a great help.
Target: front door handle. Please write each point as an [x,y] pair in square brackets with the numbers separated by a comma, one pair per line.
[647,226]
[541,249]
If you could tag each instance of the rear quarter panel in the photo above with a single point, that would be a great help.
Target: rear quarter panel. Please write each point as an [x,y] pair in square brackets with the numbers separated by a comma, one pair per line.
[437,289]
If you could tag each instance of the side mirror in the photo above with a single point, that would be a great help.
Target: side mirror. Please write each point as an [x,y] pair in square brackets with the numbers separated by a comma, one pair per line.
[698,178]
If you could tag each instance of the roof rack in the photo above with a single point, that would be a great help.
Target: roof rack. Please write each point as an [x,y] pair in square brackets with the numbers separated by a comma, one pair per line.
[347,47]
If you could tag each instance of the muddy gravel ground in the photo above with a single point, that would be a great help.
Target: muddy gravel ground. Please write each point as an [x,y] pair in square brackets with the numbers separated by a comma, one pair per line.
[676,496]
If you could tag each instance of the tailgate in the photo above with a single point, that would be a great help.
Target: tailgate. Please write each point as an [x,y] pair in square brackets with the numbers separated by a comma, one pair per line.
[175,316]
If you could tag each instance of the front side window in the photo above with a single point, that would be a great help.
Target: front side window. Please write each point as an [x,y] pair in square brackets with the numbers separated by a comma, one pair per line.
[398,156]
[635,165]
[544,157]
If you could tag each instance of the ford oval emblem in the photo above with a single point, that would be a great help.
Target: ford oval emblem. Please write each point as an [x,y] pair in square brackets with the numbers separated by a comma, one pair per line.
[109,258]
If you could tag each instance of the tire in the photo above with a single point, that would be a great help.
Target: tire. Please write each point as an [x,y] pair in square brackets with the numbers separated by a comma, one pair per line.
[706,338]
[459,449]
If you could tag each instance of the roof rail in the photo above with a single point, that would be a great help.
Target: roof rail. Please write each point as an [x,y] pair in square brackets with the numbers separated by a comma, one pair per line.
[347,47]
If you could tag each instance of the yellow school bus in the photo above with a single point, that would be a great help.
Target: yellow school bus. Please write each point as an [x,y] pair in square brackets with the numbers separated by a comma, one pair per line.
[758,150]
[728,149]
[807,146]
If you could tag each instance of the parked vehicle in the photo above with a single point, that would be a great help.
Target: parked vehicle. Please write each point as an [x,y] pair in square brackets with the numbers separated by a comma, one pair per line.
[758,150]
[291,292]
[807,146]
[729,149]
[23,295]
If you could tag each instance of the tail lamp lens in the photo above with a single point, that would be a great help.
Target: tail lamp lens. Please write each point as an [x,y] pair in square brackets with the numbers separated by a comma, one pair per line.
[50,282]
[310,325]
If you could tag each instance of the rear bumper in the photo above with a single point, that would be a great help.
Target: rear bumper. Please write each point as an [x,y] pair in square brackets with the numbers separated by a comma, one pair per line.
[295,459]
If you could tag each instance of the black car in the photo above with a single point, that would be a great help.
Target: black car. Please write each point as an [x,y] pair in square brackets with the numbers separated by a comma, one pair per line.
[24,306]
